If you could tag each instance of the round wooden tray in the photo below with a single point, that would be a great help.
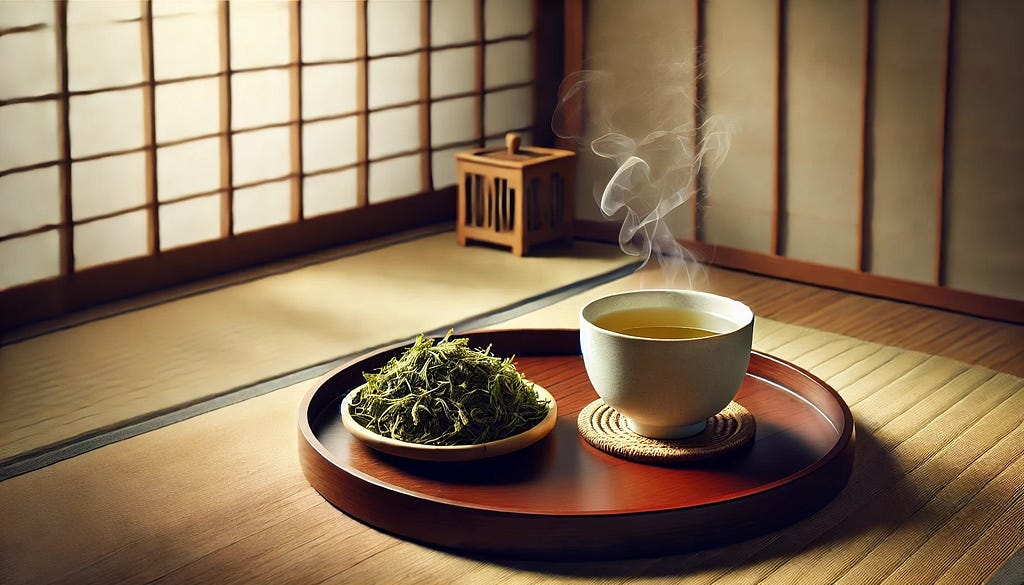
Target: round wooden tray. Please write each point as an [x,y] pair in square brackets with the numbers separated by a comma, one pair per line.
[562,498]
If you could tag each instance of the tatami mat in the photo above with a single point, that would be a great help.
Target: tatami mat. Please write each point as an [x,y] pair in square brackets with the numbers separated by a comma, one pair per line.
[935,495]
[98,375]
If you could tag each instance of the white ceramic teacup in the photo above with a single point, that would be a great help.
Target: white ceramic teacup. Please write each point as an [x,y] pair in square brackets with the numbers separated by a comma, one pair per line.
[666,388]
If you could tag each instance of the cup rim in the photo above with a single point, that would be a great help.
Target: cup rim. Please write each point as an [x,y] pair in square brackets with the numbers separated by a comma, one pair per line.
[747,320]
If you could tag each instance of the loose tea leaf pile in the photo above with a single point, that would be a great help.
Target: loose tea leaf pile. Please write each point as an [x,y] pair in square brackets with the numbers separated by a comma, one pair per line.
[446,393]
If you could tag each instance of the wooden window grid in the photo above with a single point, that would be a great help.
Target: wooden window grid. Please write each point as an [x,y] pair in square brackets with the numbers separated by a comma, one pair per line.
[75,287]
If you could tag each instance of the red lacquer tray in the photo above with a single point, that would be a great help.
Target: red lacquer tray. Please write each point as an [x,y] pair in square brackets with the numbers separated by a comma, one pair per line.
[563,498]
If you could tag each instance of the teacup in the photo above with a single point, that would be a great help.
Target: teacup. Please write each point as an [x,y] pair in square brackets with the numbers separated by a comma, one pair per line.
[666,360]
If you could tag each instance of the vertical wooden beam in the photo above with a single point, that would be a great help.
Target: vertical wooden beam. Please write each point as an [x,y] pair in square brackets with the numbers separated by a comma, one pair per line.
[362,101]
[866,142]
[699,102]
[149,127]
[227,217]
[295,91]
[779,211]
[573,49]
[480,72]
[66,231]
[942,202]
[426,166]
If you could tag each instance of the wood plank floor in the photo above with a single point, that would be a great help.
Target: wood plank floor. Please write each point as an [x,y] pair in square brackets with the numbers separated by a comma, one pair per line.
[993,344]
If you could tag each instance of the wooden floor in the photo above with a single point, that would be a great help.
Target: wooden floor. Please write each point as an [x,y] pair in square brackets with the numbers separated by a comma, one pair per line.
[994,344]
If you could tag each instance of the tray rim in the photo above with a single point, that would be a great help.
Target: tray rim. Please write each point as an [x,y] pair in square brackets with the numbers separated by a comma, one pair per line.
[840,453]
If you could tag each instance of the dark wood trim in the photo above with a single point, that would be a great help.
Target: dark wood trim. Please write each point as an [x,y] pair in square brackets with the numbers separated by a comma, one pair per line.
[866,188]
[779,188]
[149,125]
[547,57]
[45,299]
[844,279]
[573,48]
[295,92]
[227,214]
[942,202]
[427,158]
[699,110]
[67,234]
[481,66]
[362,103]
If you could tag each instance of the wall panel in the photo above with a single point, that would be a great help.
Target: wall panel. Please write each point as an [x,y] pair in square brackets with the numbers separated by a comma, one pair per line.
[906,137]
[624,42]
[741,55]
[825,47]
[984,247]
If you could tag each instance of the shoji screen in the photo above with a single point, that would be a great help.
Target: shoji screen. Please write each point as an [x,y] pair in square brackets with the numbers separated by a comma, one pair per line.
[875,144]
[145,143]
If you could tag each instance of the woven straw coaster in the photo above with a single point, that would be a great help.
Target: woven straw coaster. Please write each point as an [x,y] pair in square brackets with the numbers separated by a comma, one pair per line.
[604,428]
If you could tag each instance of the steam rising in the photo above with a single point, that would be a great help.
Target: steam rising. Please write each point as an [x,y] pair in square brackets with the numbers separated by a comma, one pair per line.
[660,155]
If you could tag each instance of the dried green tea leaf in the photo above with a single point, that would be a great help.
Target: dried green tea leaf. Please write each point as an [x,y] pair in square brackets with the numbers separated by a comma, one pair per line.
[446,393]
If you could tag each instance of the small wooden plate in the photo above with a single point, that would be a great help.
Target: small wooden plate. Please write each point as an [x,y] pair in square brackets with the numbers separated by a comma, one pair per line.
[451,453]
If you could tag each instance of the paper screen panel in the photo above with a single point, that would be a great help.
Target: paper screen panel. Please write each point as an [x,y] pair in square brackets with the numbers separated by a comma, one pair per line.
[328,90]
[190,221]
[188,168]
[107,185]
[394,178]
[262,206]
[392,27]
[29,200]
[259,98]
[507,63]
[259,34]
[507,17]
[452,71]
[637,47]
[106,122]
[329,144]
[330,192]
[260,155]
[453,121]
[28,58]
[741,54]
[508,110]
[29,258]
[104,44]
[328,30]
[25,14]
[443,166]
[394,131]
[985,207]
[393,80]
[187,109]
[906,139]
[186,38]
[452,21]
[112,239]
[824,89]
[29,134]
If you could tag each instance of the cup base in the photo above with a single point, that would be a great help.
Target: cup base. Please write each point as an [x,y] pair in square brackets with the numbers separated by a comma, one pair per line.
[666,432]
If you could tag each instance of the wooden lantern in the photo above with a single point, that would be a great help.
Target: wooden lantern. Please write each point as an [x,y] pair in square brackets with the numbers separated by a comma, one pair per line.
[515,196]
